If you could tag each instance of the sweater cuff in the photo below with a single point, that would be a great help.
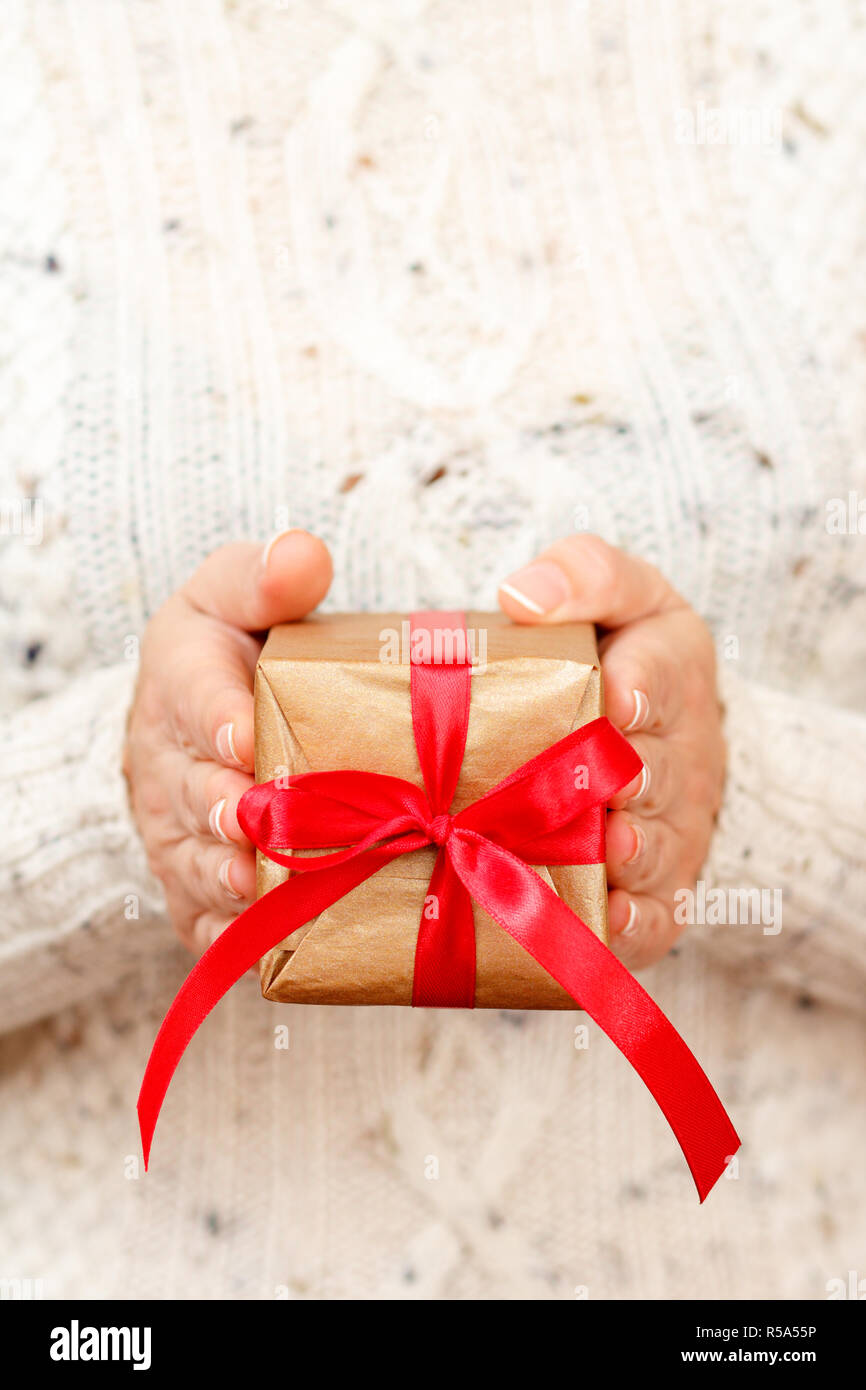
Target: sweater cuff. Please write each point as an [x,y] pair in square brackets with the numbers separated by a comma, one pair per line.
[79,900]
[785,879]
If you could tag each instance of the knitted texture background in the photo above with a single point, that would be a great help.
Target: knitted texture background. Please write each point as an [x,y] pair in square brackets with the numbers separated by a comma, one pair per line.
[440,282]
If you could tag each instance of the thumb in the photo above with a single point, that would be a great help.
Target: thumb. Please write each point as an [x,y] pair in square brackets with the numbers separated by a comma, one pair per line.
[252,586]
[583,579]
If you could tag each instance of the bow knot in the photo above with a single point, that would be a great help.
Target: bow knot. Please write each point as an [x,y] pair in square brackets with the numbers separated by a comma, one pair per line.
[439,828]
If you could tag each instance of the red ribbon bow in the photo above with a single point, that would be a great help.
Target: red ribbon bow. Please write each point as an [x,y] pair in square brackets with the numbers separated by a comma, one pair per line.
[537,815]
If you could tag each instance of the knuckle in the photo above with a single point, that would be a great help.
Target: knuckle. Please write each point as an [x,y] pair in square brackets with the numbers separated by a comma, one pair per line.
[700,670]
[225,557]
[215,708]
[667,853]
[189,795]
[215,789]
[163,853]
[702,685]
[177,719]
[156,862]
[691,860]
[150,797]
[200,931]
[701,784]
[159,845]
[644,871]
[662,686]
[658,792]
[706,647]
[147,707]
[149,641]
[182,923]
[640,674]
[171,877]
[605,565]
[202,882]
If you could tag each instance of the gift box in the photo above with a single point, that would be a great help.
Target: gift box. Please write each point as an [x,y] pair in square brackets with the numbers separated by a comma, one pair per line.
[429,815]
[333,692]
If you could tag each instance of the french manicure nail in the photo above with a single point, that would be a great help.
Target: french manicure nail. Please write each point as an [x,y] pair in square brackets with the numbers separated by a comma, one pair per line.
[224,876]
[215,820]
[540,588]
[639,844]
[633,918]
[641,712]
[225,744]
[277,536]
[644,783]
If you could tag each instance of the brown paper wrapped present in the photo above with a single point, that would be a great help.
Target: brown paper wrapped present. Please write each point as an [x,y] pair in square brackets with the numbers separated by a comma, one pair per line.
[332,692]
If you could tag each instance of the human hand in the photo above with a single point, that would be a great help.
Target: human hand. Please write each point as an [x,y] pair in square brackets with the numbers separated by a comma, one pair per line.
[659,668]
[188,756]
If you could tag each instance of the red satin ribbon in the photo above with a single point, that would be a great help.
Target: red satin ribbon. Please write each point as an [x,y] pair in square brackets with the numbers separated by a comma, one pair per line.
[537,815]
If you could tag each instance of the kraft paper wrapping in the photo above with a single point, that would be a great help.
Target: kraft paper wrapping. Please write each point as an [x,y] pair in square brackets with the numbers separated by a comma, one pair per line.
[324,700]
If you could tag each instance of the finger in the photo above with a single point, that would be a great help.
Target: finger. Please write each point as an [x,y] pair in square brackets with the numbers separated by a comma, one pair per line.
[213,710]
[642,928]
[211,875]
[207,927]
[205,797]
[240,586]
[182,915]
[643,674]
[583,579]
[252,587]
[205,930]
[641,851]
[652,791]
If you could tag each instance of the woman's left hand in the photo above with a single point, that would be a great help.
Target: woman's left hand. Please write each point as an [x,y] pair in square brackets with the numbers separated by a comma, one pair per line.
[659,667]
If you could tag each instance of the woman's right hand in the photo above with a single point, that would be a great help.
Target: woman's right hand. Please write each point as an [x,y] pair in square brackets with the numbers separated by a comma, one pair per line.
[188,756]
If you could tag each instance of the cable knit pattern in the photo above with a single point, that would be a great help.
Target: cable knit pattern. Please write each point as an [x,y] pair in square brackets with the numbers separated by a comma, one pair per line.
[441,283]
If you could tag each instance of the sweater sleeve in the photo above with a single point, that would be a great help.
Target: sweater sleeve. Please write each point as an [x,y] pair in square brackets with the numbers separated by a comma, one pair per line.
[78,903]
[793,826]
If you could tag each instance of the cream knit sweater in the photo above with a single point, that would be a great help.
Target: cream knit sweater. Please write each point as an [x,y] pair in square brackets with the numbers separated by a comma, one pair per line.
[440,282]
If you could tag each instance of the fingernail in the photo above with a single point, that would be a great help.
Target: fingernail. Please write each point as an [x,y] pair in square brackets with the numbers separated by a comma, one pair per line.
[541,587]
[225,744]
[277,536]
[639,844]
[224,876]
[643,784]
[633,918]
[641,712]
[215,820]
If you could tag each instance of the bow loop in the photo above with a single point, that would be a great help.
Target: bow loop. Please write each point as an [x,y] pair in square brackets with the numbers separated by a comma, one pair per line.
[317,810]
[550,805]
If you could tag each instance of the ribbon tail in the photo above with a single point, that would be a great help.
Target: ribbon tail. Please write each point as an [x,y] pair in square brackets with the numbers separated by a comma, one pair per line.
[566,948]
[261,927]
[445,952]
